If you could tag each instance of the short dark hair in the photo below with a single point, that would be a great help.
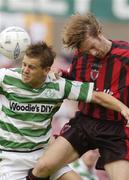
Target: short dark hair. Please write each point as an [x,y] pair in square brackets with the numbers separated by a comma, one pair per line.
[77,27]
[43,52]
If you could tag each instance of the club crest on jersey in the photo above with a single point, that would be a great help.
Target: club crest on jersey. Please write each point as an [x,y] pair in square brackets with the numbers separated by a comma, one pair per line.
[49,93]
[94,71]
[94,74]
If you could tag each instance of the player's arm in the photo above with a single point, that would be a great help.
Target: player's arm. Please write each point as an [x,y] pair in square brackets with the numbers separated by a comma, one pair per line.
[84,92]
[110,102]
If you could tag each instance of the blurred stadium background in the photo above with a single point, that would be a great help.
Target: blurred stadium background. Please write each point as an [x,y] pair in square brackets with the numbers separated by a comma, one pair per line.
[44,19]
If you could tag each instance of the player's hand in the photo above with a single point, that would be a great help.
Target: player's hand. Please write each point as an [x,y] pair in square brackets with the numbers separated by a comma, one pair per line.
[127,125]
[57,73]
[125,113]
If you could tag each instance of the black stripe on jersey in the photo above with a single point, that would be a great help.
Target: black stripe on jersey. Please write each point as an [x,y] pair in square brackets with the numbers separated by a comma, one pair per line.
[122,45]
[124,60]
[122,78]
[128,95]
[107,83]
[83,68]
[108,75]
[72,74]
[122,82]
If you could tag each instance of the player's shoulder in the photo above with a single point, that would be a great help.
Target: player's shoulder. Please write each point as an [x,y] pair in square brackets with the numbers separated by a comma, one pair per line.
[15,72]
[120,43]
[52,78]
[60,80]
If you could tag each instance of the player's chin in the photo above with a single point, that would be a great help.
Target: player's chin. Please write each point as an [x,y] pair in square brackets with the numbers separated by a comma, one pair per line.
[25,79]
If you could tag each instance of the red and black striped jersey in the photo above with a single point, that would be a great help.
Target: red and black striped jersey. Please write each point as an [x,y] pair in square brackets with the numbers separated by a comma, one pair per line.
[110,74]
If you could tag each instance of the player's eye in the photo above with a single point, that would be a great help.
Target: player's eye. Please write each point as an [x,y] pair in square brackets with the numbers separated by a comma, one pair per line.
[23,64]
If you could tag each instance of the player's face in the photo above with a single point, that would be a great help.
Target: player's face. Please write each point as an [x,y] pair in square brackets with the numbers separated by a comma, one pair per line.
[32,72]
[95,46]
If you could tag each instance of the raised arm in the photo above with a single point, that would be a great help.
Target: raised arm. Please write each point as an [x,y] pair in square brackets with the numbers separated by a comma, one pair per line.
[110,102]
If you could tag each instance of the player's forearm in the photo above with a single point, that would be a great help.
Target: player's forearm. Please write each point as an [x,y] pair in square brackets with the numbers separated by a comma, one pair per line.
[110,102]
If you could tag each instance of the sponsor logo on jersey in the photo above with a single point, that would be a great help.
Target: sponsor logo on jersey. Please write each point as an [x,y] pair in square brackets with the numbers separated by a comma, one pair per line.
[108,91]
[31,108]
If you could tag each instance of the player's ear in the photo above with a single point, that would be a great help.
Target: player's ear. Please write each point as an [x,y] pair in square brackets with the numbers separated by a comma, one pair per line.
[47,69]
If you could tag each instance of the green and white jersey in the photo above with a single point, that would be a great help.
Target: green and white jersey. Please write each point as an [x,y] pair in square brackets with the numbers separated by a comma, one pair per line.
[26,113]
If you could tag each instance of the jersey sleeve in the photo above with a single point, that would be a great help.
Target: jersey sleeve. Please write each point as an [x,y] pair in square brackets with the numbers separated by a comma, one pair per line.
[75,90]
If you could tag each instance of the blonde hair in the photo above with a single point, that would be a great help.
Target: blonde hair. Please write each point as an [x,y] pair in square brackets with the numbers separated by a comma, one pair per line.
[77,27]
